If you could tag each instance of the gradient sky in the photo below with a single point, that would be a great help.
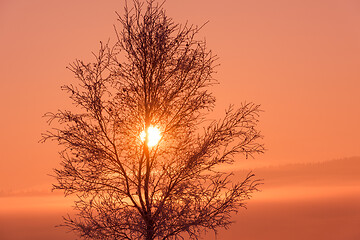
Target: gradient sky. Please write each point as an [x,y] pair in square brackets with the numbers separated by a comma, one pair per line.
[299,59]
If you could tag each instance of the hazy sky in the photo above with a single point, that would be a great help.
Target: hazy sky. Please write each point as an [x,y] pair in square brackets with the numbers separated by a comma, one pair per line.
[299,59]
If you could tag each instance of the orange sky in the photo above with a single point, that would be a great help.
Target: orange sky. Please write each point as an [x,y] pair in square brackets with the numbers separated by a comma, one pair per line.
[300,59]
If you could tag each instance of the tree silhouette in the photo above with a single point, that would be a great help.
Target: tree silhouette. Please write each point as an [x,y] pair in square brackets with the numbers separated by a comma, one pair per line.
[156,75]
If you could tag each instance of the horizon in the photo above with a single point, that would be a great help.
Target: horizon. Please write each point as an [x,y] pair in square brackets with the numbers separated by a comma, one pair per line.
[280,192]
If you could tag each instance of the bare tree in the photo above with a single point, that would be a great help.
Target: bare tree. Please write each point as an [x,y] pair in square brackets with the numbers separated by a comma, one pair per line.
[129,184]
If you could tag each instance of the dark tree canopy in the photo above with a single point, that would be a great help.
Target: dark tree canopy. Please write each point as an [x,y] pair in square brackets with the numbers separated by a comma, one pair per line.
[157,74]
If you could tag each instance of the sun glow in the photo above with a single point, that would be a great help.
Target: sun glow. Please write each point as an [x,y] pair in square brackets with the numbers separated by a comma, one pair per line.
[154,136]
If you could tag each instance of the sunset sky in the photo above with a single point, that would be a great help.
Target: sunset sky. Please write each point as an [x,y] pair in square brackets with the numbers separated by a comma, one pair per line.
[299,59]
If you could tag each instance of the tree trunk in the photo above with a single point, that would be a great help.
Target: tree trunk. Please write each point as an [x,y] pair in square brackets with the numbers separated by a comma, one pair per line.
[149,232]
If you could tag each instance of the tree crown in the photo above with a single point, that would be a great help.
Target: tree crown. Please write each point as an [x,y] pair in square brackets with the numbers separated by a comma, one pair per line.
[156,75]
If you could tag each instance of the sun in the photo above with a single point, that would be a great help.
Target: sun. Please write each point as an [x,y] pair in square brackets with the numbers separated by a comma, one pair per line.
[154,136]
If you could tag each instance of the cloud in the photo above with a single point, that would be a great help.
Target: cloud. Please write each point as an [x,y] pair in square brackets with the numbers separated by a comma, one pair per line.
[300,201]
[310,179]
